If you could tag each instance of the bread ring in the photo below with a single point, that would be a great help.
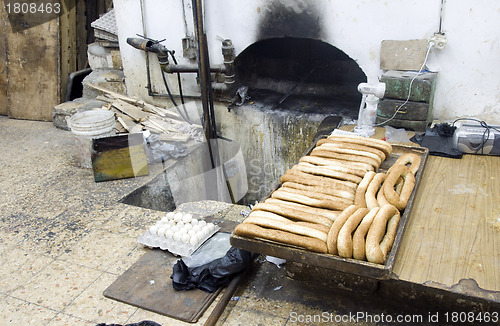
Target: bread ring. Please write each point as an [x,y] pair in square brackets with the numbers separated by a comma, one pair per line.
[331,240]
[378,241]
[371,192]
[270,220]
[408,158]
[399,200]
[346,157]
[336,149]
[293,213]
[305,198]
[295,175]
[357,169]
[358,147]
[358,239]
[372,142]
[344,239]
[327,172]
[322,190]
[253,231]
[330,214]
[381,200]
[359,198]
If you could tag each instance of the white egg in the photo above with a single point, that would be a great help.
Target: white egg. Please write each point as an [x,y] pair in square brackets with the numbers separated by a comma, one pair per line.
[194,221]
[167,226]
[200,234]
[153,229]
[164,219]
[187,218]
[185,238]
[197,227]
[194,240]
[170,215]
[168,234]
[161,231]
[188,226]
[211,226]
[191,233]
[171,222]
[176,237]
[180,224]
[202,223]
[175,228]
[182,231]
[178,217]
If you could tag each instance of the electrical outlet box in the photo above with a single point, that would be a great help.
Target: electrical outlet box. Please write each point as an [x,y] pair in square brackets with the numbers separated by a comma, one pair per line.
[439,40]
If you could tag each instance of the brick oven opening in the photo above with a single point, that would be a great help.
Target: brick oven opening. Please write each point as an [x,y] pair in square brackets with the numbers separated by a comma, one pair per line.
[300,74]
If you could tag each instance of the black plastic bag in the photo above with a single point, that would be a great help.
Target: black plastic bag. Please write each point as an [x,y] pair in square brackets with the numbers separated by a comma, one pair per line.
[211,276]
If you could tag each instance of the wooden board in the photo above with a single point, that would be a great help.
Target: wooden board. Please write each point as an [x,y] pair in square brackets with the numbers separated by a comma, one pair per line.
[347,265]
[454,232]
[3,65]
[33,71]
[147,285]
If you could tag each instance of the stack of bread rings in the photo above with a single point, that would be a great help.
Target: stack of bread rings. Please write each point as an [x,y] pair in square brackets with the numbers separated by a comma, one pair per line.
[334,202]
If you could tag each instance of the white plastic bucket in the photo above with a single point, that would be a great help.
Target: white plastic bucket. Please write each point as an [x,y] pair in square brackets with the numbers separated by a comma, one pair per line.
[88,125]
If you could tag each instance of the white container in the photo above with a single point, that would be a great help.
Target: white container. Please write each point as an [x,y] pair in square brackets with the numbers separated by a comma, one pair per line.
[89,125]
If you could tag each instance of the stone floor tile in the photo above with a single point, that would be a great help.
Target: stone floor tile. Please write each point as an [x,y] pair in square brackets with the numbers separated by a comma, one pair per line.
[99,249]
[245,317]
[92,305]
[57,285]
[19,312]
[127,260]
[63,320]
[20,267]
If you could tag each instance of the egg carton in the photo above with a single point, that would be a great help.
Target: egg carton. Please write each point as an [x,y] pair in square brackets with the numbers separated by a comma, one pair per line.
[179,233]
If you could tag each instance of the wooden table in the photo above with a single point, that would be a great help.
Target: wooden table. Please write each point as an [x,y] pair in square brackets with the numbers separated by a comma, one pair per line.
[454,229]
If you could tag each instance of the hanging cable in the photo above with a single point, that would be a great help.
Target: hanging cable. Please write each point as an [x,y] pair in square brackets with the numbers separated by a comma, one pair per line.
[409,88]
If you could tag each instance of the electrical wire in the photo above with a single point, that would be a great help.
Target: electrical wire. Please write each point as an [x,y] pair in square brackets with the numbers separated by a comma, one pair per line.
[409,88]
[486,133]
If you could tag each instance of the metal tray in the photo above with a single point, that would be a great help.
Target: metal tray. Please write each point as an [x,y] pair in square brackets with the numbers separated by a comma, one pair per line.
[353,266]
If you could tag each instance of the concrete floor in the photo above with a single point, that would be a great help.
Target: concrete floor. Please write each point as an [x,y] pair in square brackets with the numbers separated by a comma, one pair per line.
[63,238]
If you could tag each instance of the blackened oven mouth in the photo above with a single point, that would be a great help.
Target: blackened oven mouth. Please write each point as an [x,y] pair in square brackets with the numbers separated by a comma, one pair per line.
[298,74]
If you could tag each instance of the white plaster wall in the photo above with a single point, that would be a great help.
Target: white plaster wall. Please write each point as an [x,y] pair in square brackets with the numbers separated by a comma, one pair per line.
[469,66]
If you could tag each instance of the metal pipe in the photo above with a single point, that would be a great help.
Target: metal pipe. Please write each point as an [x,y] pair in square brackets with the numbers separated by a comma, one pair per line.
[191,69]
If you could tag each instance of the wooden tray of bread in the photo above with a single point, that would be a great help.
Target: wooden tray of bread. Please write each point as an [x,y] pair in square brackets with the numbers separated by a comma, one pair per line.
[343,206]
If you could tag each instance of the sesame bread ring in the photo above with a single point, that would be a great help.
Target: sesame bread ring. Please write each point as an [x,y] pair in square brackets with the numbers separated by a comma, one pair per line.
[408,158]
[270,220]
[357,168]
[328,213]
[359,198]
[328,172]
[340,144]
[318,151]
[295,175]
[320,189]
[399,200]
[306,199]
[381,234]
[359,237]
[250,230]
[344,239]
[331,241]
[349,150]
[372,142]
[293,213]
[371,192]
